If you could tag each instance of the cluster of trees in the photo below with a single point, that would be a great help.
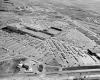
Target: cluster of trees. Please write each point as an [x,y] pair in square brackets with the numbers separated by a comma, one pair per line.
[10,66]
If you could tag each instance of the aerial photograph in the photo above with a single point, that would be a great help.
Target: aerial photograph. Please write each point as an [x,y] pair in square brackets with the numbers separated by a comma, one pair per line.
[49,39]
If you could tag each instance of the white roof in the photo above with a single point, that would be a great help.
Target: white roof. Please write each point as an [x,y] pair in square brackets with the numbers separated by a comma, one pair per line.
[16,25]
